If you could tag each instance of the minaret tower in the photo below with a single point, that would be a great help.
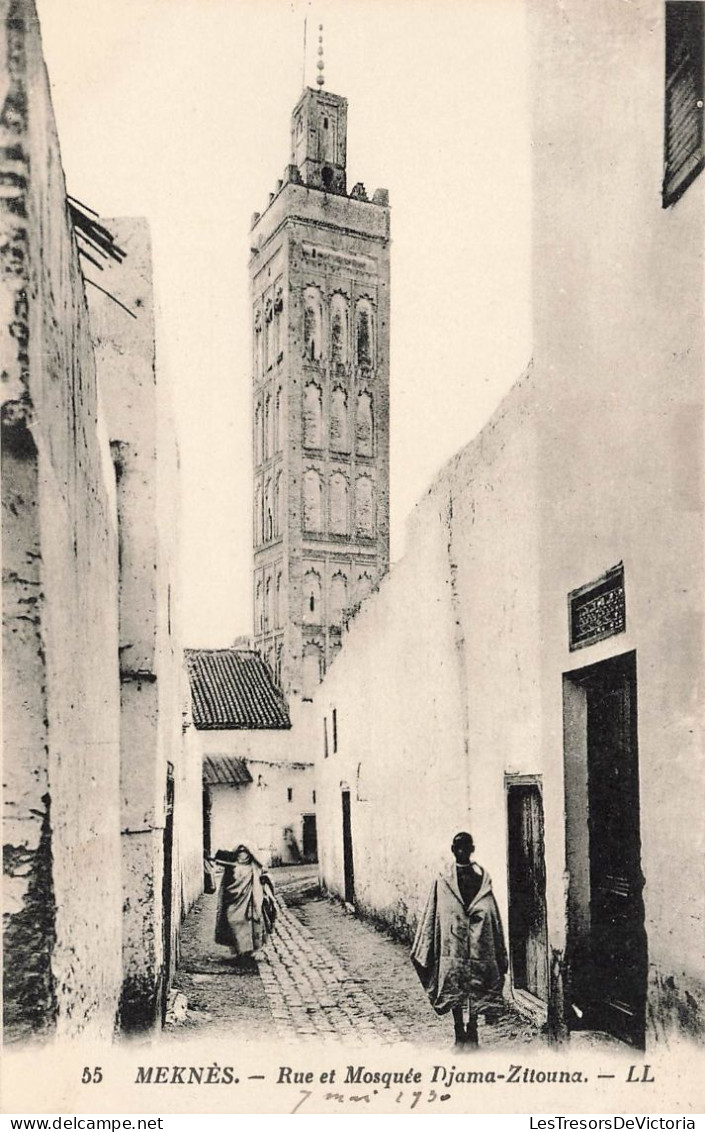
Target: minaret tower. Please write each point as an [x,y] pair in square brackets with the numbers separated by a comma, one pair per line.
[319,277]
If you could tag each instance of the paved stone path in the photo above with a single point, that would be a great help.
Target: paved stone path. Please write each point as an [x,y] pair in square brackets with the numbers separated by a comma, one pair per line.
[311,994]
[324,975]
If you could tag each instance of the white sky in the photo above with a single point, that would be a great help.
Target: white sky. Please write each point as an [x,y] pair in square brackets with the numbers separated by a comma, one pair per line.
[178,110]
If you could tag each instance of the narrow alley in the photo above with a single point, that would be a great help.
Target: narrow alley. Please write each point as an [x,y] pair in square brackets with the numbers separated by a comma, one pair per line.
[325,974]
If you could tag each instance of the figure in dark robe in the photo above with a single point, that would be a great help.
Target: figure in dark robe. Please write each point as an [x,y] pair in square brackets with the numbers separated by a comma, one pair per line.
[246,908]
[459,952]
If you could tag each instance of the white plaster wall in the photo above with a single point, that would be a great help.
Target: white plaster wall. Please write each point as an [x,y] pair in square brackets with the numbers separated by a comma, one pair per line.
[618,285]
[138,415]
[259,813]
[60,671]
[456,666]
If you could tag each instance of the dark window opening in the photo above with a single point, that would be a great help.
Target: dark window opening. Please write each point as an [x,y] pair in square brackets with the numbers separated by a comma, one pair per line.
[684,153]
[312,603]
[327,176]
[289,794]
[325,123]
[313,795]
[335,730]
[325,738]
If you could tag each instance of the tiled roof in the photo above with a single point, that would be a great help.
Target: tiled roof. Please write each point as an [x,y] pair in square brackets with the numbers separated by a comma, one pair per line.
[222,770]
[234,688]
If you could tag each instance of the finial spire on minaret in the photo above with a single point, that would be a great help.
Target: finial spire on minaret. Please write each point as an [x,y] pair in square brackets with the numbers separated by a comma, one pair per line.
[319,79]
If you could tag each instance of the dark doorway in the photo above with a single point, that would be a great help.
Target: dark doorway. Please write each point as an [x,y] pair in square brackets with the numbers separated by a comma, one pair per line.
[607,939]
[310,838]
[167,883]
[528,943]
[348,851]
[209,885]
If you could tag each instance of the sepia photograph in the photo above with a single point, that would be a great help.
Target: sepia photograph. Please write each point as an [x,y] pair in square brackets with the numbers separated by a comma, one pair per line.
[353,552]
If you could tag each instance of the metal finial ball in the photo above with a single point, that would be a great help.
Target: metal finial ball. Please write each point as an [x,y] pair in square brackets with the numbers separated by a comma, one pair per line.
[320,80]
[320,27]
[319,64]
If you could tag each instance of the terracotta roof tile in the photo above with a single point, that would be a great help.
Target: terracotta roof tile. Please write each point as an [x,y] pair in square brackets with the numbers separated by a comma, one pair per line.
[234,689]
[222,770]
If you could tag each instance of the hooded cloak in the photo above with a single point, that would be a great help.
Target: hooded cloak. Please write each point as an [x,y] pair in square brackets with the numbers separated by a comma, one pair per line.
[241,921]
[459,952]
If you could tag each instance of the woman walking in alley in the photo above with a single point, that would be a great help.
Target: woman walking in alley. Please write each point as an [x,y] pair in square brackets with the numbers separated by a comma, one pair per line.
[459,951]
[246,906]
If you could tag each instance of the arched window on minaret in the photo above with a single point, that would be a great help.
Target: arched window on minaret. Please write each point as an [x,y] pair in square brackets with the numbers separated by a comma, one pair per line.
[258,344]
[267,604]
[364,587]
[312,669]
[364,332]
[278,409]
[270,348]
[338,502]
[268,512]
[279,322]
[313,324]
[364,425]
[278,596]
[364,507]
[267,430]
[313,416]
[339,433]
[279,504]
[313,501]
[313,611]
[257,517]
[258,434]
[338,330]
[259,608]
[338,598]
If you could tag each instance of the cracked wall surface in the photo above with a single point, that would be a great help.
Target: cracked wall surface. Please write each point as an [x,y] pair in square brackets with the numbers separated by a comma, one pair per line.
[60,678]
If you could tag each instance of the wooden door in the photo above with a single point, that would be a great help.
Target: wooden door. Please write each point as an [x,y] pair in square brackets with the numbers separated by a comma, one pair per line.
[528,944]
[348,866]
[310,837]
[616,994]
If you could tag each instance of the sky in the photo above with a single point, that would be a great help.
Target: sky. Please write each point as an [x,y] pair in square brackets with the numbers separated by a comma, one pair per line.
[179,110]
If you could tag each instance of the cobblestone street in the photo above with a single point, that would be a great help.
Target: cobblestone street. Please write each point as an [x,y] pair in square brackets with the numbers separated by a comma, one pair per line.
[324,975]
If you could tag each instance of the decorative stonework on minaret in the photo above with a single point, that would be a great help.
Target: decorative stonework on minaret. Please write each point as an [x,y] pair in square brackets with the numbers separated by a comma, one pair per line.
[319,274]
